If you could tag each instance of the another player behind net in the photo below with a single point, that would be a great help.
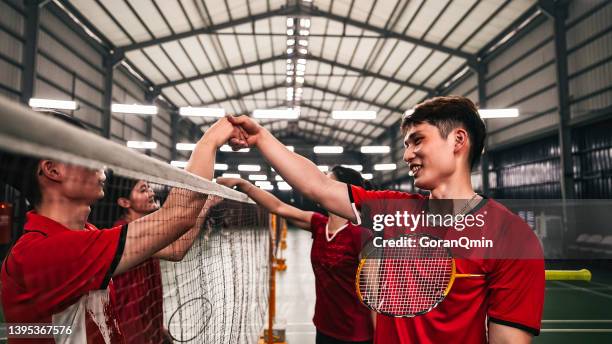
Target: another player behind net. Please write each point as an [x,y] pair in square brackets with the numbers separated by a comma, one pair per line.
[444,138]
[139,290]
[339,315]
[60,270]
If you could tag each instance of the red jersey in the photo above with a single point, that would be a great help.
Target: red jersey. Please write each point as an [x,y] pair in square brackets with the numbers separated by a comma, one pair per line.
[55,275]
[511,294]
[140,301]
[338,311]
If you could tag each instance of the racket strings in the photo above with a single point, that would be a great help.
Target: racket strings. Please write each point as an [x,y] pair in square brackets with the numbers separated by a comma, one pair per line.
[405,281]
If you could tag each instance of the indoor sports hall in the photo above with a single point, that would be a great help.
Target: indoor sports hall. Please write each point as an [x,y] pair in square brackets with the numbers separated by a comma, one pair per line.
[263,171]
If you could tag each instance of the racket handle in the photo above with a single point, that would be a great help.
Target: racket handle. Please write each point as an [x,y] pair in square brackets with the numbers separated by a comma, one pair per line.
[468,275]
[568,275]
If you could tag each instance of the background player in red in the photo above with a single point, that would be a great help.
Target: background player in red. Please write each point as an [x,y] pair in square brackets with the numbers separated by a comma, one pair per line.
[339,315]
[444,137]
[59,271]
[139,291]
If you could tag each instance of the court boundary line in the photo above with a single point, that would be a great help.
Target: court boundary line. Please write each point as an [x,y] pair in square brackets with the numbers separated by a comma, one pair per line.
[608,296]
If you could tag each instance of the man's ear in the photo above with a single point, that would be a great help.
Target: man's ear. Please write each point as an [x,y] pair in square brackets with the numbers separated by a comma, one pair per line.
[461,138]
[123,202]
[50,169]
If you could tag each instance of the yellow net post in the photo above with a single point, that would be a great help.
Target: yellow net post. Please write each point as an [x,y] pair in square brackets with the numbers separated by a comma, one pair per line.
[280,260]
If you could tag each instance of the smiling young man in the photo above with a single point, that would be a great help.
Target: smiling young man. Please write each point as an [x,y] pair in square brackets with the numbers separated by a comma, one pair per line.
[444,138]
[59,271]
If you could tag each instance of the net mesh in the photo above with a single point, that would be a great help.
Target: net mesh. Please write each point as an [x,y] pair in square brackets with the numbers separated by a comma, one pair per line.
[208,286]
[404,281]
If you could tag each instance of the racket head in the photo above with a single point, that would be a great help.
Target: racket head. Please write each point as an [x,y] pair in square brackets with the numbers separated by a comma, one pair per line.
[404,281]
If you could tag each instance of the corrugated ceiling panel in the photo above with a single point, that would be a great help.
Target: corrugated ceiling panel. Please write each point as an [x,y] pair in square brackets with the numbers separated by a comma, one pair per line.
[448,20]
[400,97]
[366,47]
[190,8]
[172,94]
[142,63]
[99,19]
[472,22]
[210,47]
[180,58]
[153,19]
[429,67]
[381,13]
[442,72]
[494,27]
[161,60]
[202,89]
[188,93]
[425,17]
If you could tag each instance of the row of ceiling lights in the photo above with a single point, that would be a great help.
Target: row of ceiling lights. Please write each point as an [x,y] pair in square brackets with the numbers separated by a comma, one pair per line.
[289,113]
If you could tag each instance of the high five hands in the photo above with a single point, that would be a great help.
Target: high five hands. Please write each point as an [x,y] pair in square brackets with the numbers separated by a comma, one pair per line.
[246,132]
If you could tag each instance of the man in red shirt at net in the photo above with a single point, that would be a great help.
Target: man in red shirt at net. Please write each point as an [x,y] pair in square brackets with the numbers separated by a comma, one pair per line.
[59,272]
[443,139]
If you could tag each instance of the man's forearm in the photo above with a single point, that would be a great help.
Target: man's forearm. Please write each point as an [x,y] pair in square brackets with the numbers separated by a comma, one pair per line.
[202,160]
[299,172]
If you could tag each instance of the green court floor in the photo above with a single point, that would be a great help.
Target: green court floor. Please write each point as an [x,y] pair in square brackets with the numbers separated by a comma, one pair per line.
[578,312]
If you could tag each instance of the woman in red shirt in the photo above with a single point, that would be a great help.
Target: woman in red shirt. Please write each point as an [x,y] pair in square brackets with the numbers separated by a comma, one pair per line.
[339,315]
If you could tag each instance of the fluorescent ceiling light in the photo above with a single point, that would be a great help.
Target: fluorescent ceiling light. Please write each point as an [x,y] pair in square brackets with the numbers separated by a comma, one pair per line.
[53,104]
[375,149]
[285,113]
[301,61]
[289,51]
[337,114]
[304,32]
[230,175]
[289,22]
[221,167]
[367,176]
[134,109]
[279,179]
[283,186]
[323,168]
[290,41]
[289,79]
[142,144]
[385,167]
[177,163]
[498,113]
[262,182]
[328,149]
[227,148]
[259,177]
[303,51]
[201,112]
[185,146]
[303,42]
[289,32]
[486,113]
[249,168]
[358,168]
[305,22]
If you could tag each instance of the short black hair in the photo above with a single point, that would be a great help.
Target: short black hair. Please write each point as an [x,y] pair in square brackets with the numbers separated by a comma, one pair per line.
[350,176]
[448,113]
[30,187]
